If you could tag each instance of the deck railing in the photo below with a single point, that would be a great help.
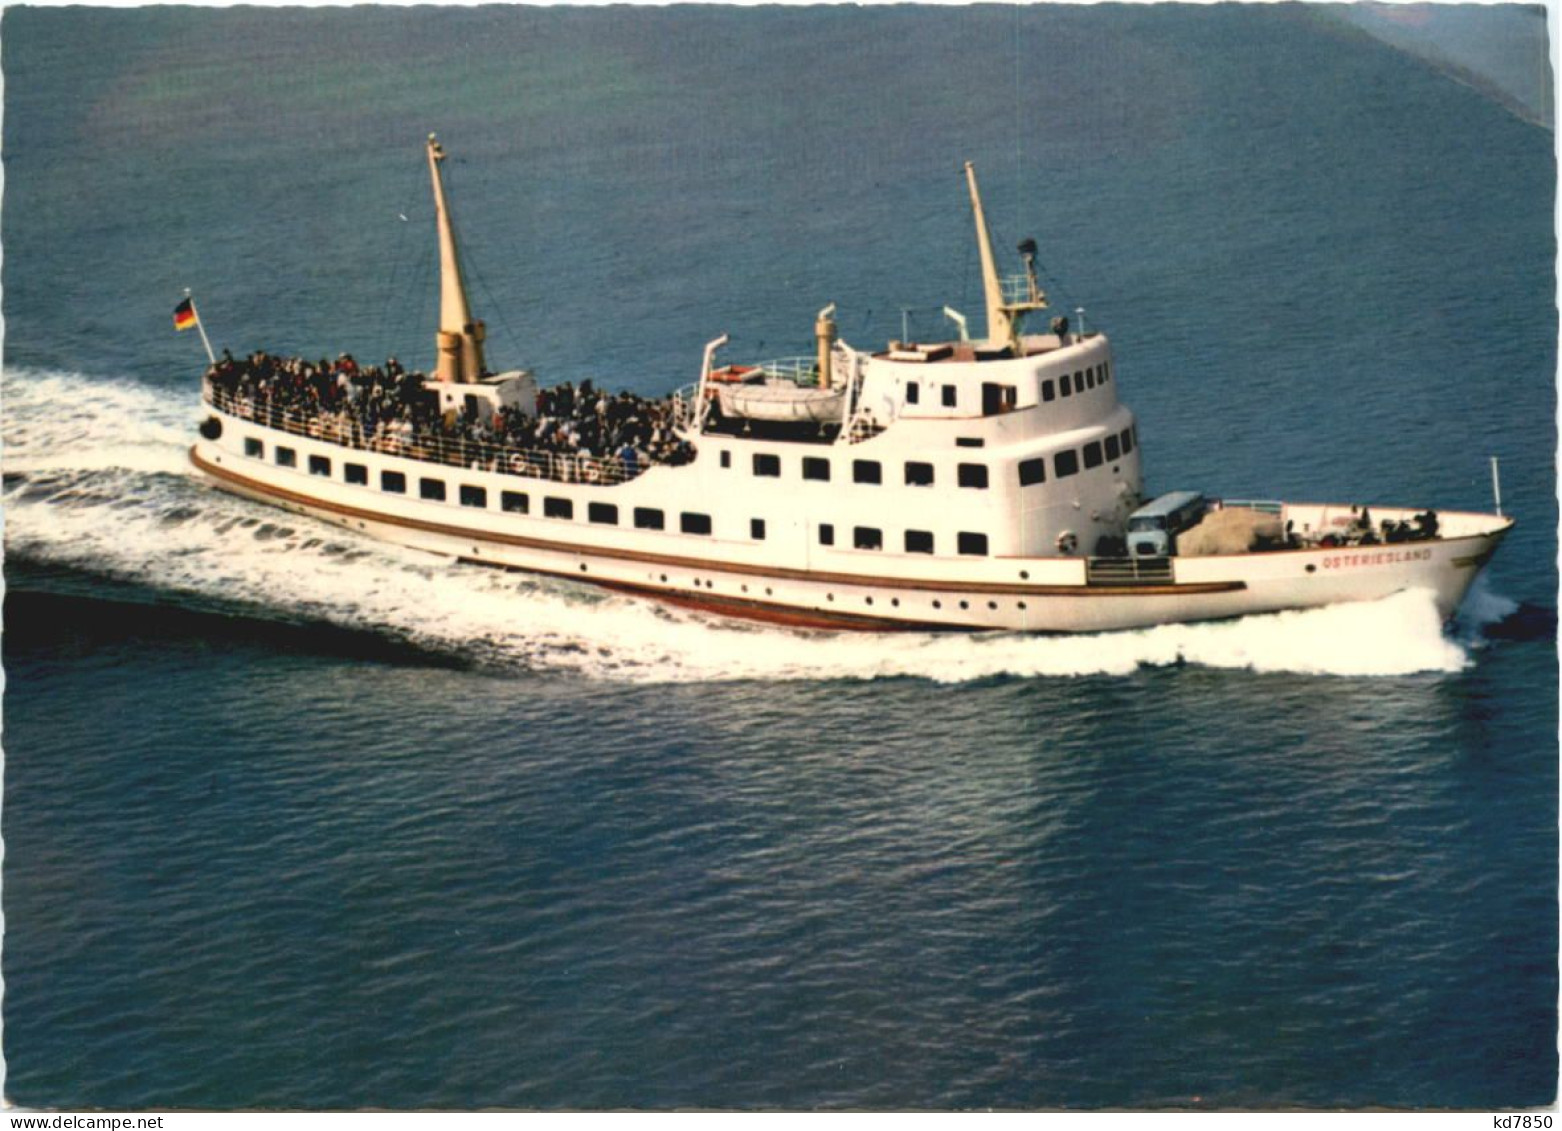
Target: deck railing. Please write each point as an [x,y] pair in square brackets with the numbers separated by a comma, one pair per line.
[395,438]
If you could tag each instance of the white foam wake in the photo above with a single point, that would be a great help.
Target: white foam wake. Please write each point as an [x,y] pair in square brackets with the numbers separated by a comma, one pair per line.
[105,486]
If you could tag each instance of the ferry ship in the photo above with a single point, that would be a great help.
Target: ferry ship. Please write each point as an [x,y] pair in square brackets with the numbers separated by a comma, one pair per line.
[967,484]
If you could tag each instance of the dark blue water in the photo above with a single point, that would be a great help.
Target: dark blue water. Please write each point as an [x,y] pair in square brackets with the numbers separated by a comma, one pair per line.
[296,820]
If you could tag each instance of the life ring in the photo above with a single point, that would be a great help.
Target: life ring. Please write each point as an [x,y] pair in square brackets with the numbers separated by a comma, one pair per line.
[211,428]
[517,464]
[1068,542]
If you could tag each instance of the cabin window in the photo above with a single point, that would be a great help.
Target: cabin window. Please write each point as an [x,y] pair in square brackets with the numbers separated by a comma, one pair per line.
[973,545]
[1065,464]
[826,534]
[691,523]
[726,458]
[253,447]
[816,468]
[973,475]
[287,457]
[1048,393]
[1093,454]
[756,529]
[1064,388]
[554,507]
[356,473]
[1127,437]
[919,542]
[950,396]
[473,496]
[767,465]
[394,482]
[913,393]
[603,514]
[320,465]
[649,518]
[1033,471]
[867,538]
[516,502]
[432,489]
[919,474]
[1113,448]
[997,398]
[866,471]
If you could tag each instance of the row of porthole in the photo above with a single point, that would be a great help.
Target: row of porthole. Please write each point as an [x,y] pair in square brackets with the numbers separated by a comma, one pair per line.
[894,601]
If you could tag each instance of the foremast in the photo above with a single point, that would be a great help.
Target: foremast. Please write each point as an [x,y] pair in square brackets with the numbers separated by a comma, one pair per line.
[1006,305]
[460,338]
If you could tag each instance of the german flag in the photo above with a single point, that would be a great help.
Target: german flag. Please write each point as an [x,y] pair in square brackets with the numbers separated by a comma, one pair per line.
[184,315]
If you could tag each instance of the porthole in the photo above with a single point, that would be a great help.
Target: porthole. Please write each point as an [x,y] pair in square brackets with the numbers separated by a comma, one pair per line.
[582,567]
[829,596]
[965,604]
[664,577]
[1024,575]
[1312,569]
[1022,605]
[895,601]
[767,591]
[745,588]
[992,604]
[870,600]
[938,604]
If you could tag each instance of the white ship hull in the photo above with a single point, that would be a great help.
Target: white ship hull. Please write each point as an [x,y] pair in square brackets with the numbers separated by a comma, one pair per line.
[849,589]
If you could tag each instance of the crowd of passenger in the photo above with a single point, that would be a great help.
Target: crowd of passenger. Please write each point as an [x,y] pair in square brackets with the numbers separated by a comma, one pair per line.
[577,434]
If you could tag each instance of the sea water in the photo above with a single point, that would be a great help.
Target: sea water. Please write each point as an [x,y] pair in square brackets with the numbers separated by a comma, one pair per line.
[297,819]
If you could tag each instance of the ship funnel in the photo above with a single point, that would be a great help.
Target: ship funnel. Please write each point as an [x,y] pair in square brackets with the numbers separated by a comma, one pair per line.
[460,338]
[824,333]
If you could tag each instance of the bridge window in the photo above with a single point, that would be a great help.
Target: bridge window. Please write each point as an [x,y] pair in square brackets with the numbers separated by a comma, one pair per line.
[726,458]
[816,468]
[1127,437]
[913,392]
[603,514]
[691,523]
[473,496]
[919,475]
[756,529]
[951,396]
[867,538]
[1064,389]
[1033,471]
[1065,464]
[973,545]
[826,534]
[973,475]
[919,542]
[516,502]
[1048,393]
[767,465]
[1090,377]
[394,482]
[1093,454]
[356,473]
[1113,448]
[649,518]
[866,471]
[254,448]
[320,465]
[287,457]
[432,489]
[1079,382]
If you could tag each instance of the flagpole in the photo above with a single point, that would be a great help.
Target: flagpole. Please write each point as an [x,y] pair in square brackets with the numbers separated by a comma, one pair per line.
[199,326]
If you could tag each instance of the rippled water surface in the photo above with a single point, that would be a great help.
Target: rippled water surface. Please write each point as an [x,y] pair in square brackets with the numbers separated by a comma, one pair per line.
[294,819]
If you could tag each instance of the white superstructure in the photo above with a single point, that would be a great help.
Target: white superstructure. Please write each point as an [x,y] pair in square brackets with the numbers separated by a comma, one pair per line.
[964,485]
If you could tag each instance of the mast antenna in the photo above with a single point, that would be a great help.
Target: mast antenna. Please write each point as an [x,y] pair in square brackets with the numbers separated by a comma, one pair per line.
[460,337]
[1003,316]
